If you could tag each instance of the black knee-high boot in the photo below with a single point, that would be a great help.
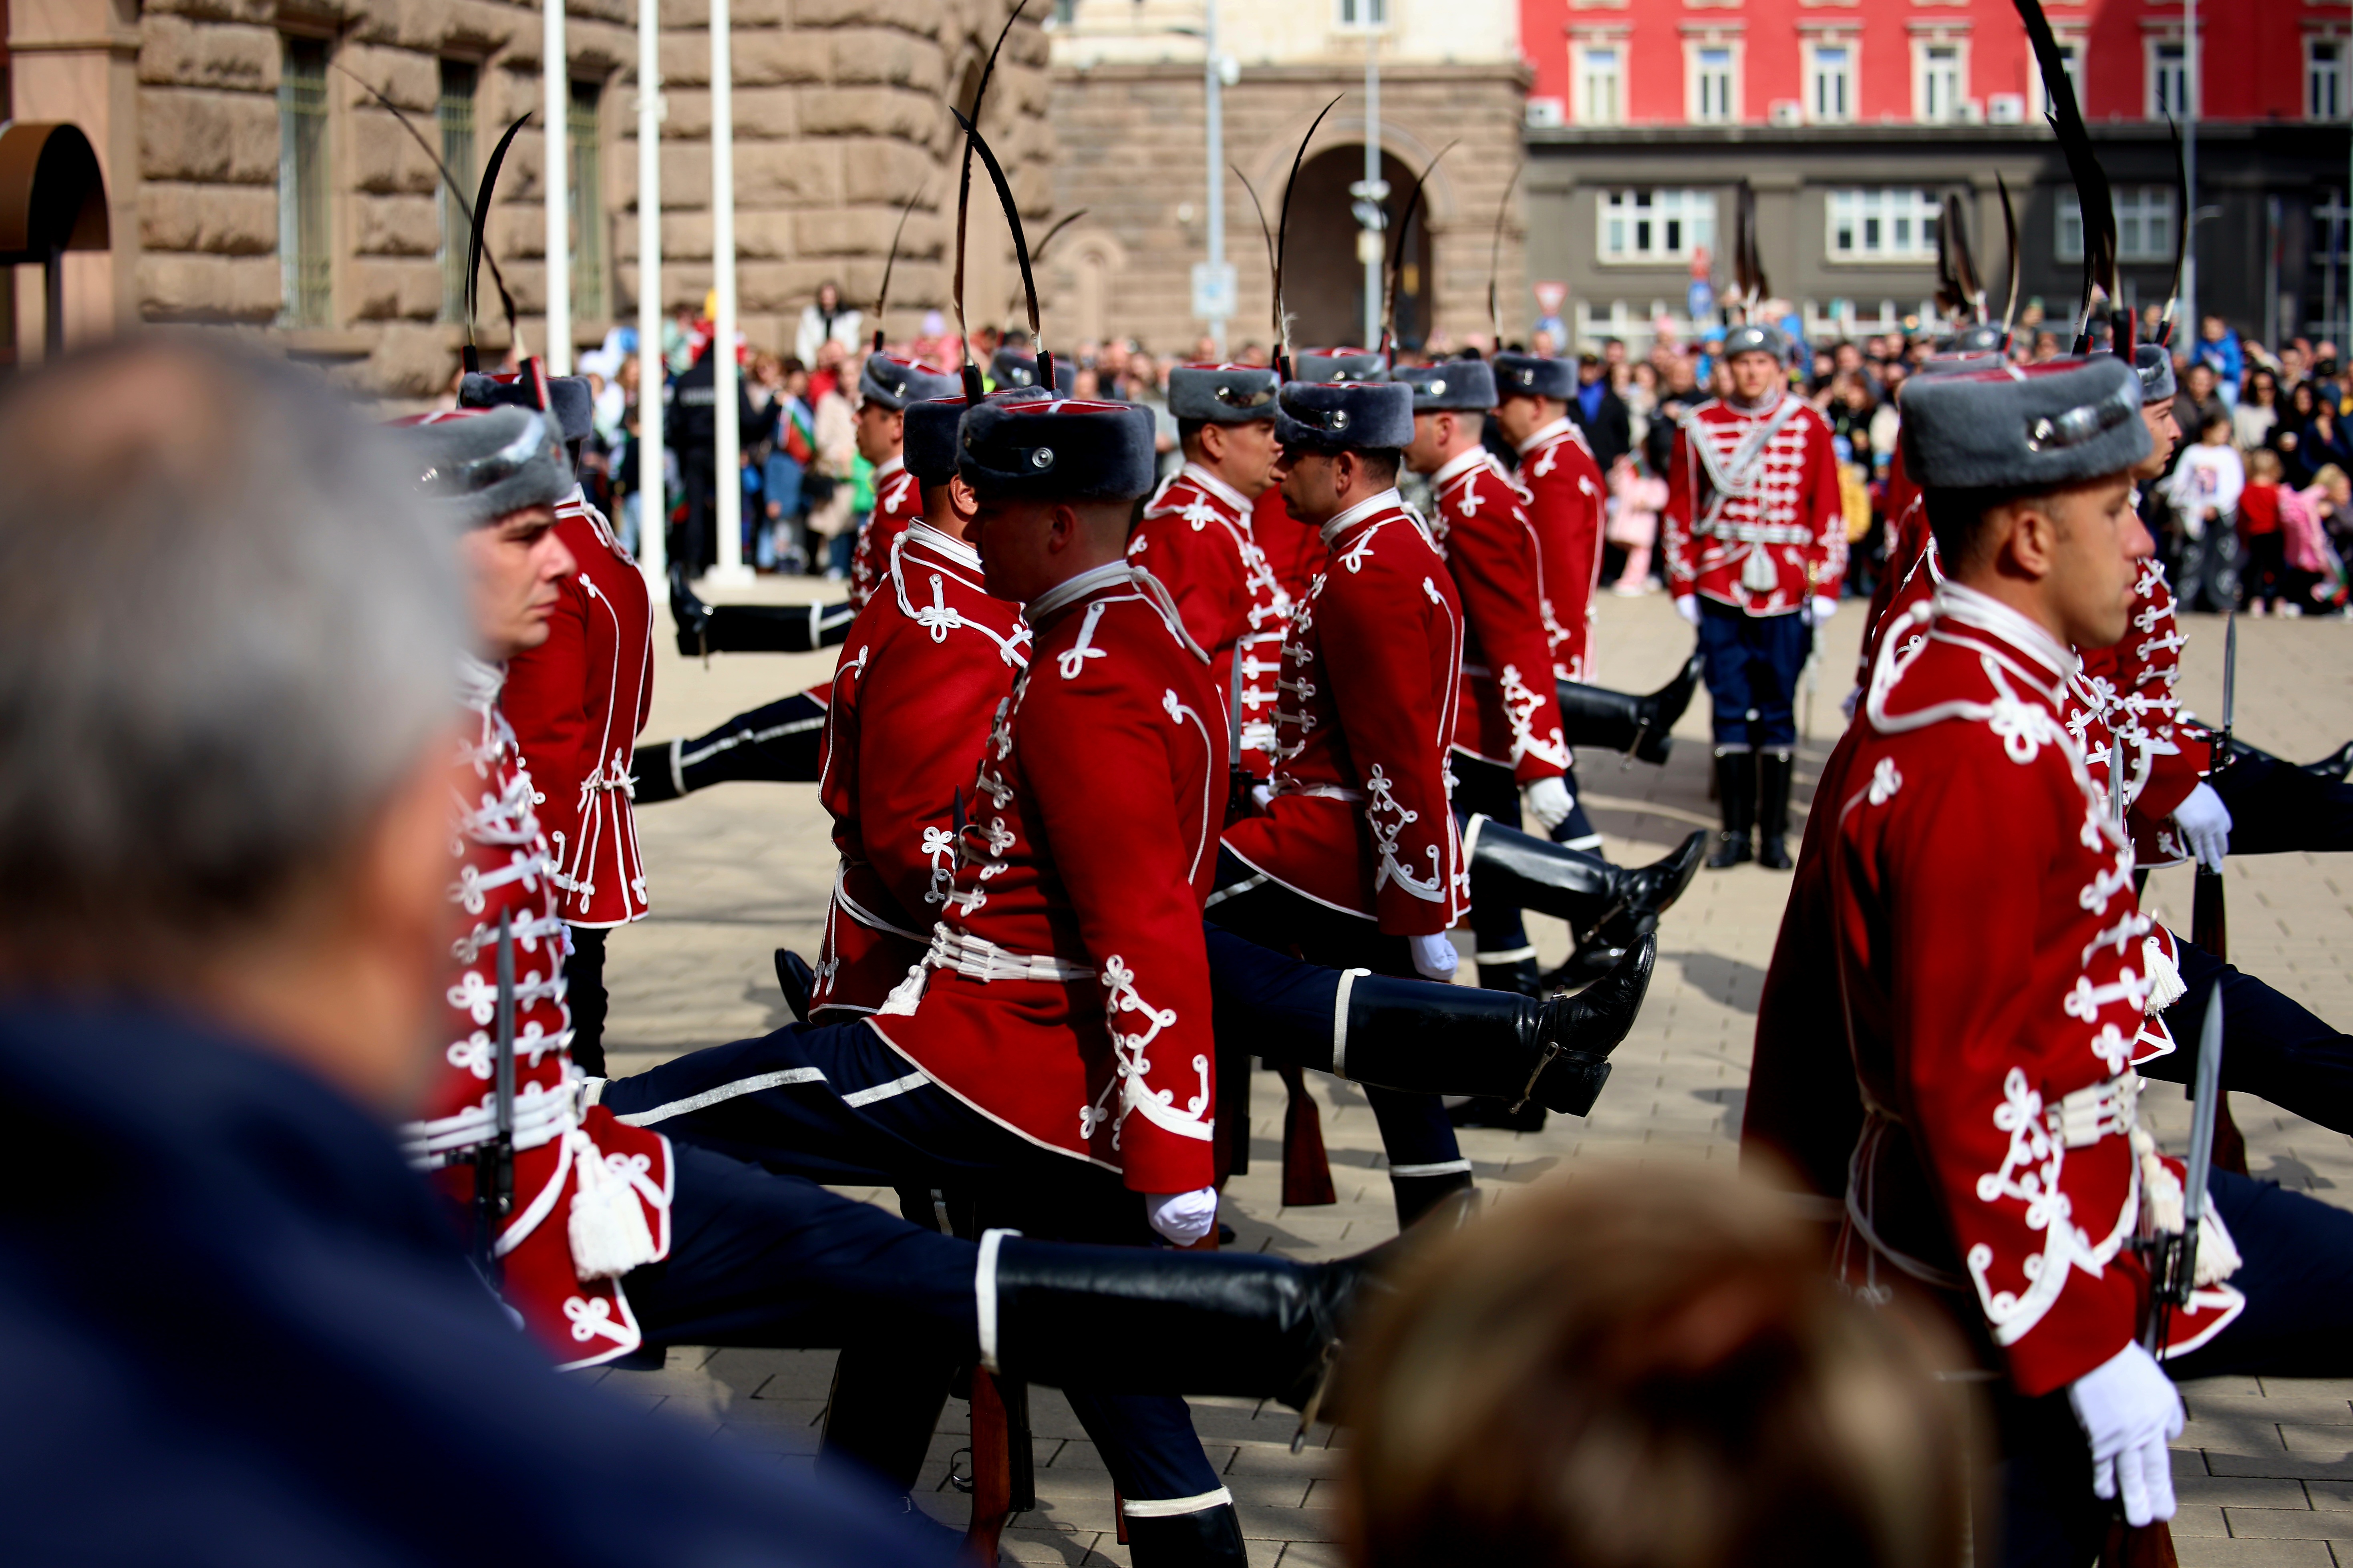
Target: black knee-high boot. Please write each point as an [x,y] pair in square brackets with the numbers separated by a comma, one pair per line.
[1735,789]
[783,742]
[704,629]
[1607,907]
[1638,726]
[1773,772]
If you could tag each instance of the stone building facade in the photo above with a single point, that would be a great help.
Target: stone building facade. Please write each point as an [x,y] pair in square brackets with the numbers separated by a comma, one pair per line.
[1129,110]
[255,180]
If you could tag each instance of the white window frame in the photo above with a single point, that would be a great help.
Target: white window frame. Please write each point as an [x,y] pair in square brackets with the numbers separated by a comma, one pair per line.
[1925,108]
[2154,104]
[1903,217]
[1582,104]
[2145,216]
[1696,110]
[1622,217]
[1361,16]
[2334,110]
[1848,77]
[2071,48]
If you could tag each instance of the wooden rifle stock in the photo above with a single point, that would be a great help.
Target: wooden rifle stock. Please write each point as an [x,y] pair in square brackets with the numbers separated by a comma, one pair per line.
[1306,1168]
[2147,1546]
[1003,1481]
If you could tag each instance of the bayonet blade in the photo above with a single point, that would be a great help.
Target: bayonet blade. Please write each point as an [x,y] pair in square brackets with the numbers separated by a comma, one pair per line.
[2229,671]
[2207,1081]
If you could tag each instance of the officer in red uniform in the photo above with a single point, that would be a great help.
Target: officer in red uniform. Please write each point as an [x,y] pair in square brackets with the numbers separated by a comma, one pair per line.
[1756,547]
[577,702]
[1194,538]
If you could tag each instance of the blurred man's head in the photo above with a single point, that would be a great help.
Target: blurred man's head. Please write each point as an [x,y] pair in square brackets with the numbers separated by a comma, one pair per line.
[225,701]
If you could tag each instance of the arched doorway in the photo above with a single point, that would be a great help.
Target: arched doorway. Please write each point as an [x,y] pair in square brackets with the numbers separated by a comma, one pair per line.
[1324,282]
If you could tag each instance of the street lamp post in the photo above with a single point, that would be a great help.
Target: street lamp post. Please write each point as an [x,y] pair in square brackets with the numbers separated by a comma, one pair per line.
[555,123]
[653,515]
[727,456]
[1214,101]
[2190,97]
[1370,192]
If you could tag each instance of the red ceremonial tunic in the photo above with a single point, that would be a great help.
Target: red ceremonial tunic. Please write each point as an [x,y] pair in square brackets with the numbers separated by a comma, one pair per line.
[1195,536]
[1509,708]
[1754,515]
[898,501]
[1360,820]
[926,664]
[1995,1002]
[1912,574]
[583,1182]
[577,702]
[1066,991]
[1294,552]
[1564,496]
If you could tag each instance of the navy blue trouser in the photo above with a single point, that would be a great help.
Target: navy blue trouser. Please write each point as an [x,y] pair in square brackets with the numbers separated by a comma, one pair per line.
[834,1103]
[1482,787]
[2276,806]
[2272,1046]
[2298,1280]
[1752,666]
[781,742]
[1415,1132]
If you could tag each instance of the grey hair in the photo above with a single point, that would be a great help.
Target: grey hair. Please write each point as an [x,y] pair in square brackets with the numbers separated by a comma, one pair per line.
[226,632]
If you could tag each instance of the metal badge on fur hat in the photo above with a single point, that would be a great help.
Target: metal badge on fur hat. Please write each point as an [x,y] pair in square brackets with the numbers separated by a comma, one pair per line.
[2154,364]
[931,438]
[1222,394]
[574,409]
[1534,375]
[1337,364]
[1344,415]
[477,468]
[1057,449]
[894,383]
[1757,337]
[1011,367]
[1457,386]
[2024,427]
[1985,338]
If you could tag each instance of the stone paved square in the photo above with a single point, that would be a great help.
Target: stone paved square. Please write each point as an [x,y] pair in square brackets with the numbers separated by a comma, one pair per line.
[2265,1465]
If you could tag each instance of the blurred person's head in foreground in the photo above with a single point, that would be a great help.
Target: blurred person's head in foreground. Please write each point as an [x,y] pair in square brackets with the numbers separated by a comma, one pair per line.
[225,697]
[1645,1369]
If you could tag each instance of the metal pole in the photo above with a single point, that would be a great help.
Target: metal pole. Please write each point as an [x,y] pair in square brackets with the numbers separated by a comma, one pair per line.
[556,122]
[2190,100]
[53,303]
[1371,245]
[1215,101]
[728,458]
[653,512]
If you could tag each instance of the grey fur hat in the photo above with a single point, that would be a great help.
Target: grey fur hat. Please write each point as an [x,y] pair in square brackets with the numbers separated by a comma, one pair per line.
[1336,364]
[895,383]
[575,409]
[2154,364]
[1344,415]
[1222,394]
[1534,375]
[1984,337]
[931,438]
[1010,368]
[1454,387]
[474,468]
[1757,337]
[1060,449]
[2024,427]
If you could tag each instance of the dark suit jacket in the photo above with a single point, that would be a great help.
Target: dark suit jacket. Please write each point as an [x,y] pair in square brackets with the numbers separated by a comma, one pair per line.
[1609,432]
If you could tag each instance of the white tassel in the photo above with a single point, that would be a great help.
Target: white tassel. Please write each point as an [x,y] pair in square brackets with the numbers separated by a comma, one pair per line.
[607,1222]
[2164,983]
[2217,1254]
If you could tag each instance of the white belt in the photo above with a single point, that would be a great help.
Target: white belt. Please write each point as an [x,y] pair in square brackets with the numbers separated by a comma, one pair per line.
[977,958]
[1321,791]
[542,1115]
[2096,1112]
[1757,532]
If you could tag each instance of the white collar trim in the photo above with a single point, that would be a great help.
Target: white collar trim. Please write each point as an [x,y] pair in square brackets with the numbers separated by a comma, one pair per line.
[1972,608]
[953,548]
[1455,467]
[890,465]
[1069,590]
[1195,474]
[1557,427]
[1388,501]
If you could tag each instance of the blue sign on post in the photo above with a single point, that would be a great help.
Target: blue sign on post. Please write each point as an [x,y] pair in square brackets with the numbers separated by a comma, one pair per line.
[1703,299]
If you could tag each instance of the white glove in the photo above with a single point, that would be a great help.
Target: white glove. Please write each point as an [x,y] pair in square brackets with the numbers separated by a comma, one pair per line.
[1433,956]
[2205,822]
[1263,794]
[2128,1407]
[1548,801]
[1183,1217]
[1687,607]
[1824,609]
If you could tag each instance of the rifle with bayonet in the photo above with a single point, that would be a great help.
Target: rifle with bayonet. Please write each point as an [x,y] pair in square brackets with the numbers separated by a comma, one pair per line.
[494,1161]
[2209,925]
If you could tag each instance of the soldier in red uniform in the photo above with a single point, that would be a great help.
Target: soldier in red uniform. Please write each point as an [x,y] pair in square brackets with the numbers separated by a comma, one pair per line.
[1296,554]
[1195,539]
[1756,547]
[577,702]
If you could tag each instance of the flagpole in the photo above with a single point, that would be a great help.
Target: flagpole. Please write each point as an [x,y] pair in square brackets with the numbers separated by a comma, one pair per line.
[653,514]
[555,124]
[727,462]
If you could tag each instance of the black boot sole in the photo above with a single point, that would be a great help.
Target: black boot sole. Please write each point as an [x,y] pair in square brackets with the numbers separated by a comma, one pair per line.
[1661,711]
[1730,853]
[1773,854]
[1489,1110]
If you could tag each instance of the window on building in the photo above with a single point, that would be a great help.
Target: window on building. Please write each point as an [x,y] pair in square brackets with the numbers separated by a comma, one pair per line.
[2324,78]
[304,221]
[2145,220]
[1601,84]
[2168,79]
[1645,225]
[1937,87]
[458,81]
[1364,13]
[1831,83]
[2070,54]
[1712,81]
[587,203]
[1883,226]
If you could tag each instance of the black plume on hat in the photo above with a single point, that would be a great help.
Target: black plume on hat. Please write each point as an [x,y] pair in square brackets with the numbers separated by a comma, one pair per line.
[575,409]
[1344,415]
[2024,427]
[1222,394]
[1454,387]
[1534,375]
[1011,367]
[1057,449]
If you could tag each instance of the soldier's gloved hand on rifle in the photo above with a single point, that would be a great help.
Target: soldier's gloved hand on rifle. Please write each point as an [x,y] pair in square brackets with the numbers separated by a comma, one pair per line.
[1548,801]
[1433,956]
[2128,1407]
[1183,1217]
[1824,608]
[2205,823]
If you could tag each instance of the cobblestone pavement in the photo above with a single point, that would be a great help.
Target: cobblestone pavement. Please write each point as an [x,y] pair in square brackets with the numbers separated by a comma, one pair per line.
[2265,1466]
